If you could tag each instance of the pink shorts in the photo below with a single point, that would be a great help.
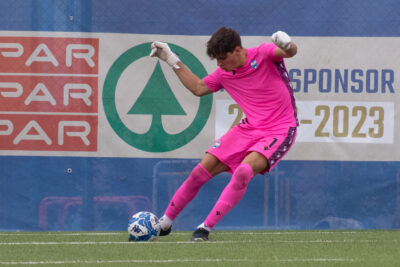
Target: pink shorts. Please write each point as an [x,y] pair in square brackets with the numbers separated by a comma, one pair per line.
[234,146]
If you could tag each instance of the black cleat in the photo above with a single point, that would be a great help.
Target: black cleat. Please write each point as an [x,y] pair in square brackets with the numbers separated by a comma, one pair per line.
[200,234]
[165,232]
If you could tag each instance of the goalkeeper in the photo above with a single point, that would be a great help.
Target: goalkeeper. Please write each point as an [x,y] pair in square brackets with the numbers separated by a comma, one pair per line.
[256,78]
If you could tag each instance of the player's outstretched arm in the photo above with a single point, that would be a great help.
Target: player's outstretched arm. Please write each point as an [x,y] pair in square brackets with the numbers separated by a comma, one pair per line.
[286,48]
[188,78]
[191,81]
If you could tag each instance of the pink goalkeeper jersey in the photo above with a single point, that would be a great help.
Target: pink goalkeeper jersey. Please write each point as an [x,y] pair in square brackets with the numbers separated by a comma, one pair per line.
[261,88]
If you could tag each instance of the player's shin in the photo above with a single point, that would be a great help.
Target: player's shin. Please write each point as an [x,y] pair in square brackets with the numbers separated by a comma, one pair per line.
[187,191]
[231,195]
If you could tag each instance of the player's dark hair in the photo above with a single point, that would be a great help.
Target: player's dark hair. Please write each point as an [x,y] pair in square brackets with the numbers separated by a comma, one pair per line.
[224,40]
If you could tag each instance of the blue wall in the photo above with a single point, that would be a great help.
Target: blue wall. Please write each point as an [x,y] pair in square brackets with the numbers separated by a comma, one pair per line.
[317,189]
[202,17]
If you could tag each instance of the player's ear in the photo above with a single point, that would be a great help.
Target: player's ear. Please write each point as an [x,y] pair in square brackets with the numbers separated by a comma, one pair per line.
[237,49]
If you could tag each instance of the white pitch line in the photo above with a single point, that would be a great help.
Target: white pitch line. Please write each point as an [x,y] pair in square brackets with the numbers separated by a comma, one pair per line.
[58,234]
[118,243]
[333,241]
[191,242]
[278,233]
[317,260]
[170,261]
[179,233]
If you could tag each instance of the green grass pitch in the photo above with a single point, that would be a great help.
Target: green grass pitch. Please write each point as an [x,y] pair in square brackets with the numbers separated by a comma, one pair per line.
[225,248]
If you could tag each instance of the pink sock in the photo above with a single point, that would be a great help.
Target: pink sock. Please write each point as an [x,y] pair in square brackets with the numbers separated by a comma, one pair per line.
[187,191]
[231,195]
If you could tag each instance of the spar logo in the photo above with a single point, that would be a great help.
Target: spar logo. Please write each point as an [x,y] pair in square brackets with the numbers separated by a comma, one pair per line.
[48,93]
[156,100]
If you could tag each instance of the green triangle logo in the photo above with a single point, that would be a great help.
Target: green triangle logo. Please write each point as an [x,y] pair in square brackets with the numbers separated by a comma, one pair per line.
[157,97]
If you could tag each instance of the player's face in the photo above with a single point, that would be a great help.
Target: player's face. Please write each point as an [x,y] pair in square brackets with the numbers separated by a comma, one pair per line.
[230,60]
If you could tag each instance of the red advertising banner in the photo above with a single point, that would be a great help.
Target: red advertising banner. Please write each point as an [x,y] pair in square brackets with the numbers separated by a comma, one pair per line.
[48,93]
[48,132]
[49,55]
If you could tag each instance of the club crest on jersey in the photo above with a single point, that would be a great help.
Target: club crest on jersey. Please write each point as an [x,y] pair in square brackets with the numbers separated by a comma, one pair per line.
[253,64]
[216,144]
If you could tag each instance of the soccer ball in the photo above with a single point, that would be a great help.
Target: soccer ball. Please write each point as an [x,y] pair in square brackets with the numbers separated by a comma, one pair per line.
[143,226]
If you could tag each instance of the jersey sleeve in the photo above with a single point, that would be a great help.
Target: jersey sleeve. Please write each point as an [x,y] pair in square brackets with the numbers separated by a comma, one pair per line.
[268,49]
[213,81]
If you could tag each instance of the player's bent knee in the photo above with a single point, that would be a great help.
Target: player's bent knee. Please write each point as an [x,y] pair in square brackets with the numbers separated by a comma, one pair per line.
[241,177]
[239,183]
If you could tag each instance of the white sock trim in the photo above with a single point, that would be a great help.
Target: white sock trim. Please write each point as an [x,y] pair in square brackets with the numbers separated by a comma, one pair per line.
[165,222]
[204,226]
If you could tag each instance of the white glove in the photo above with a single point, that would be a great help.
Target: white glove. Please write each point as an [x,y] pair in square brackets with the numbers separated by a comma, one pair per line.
[163,52]
[281,40]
